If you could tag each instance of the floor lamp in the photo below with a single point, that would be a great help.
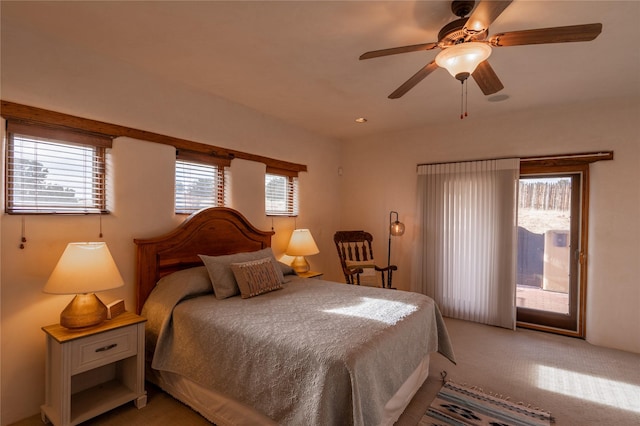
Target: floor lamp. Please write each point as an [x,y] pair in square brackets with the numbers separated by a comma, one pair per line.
[396,228]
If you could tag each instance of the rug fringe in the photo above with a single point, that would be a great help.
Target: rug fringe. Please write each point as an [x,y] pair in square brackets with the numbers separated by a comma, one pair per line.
[443,375]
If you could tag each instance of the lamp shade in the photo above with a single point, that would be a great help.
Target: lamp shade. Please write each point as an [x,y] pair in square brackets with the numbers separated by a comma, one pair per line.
[397,228]
[461,60]
[84,268]
[302,244]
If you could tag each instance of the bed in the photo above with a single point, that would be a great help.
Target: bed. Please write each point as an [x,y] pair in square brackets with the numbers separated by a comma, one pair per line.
[303,351]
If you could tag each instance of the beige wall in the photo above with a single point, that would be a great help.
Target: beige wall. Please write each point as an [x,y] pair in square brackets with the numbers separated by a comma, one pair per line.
[142,206]
[141,197]
[613,293]
[141,188]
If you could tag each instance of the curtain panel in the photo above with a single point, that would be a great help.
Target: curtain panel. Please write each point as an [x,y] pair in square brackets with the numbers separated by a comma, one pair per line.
[466,245]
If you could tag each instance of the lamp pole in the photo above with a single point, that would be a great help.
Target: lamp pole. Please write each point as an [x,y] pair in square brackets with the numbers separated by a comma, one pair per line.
[396,228]
[389,248]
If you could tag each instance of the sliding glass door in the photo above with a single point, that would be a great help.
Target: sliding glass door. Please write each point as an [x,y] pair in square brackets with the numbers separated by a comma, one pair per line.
[551,228]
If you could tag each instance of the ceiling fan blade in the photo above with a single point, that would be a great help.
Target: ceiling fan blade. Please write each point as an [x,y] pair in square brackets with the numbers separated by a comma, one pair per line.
[586,32]
[415,79]
[487,79]
[396,50]
[483,16]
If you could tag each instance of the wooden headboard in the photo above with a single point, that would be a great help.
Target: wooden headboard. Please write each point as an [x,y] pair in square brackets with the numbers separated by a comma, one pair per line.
[213,231]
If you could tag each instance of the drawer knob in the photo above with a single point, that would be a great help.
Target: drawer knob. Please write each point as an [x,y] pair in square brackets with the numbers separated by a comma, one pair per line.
[106,348]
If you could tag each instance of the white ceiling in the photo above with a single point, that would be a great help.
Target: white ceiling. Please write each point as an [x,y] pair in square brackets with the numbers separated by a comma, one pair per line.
[298,60]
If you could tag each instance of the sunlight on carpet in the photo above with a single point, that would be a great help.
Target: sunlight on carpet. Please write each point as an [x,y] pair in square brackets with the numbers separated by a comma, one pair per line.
[600,390]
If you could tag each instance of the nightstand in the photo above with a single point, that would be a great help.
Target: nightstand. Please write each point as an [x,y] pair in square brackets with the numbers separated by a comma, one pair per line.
[91,371]
[310,274]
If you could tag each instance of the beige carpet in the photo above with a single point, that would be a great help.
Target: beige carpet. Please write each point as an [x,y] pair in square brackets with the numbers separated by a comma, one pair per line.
[578,383]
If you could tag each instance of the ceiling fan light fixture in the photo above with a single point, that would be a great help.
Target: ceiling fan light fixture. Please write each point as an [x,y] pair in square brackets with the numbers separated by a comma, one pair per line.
[461,60]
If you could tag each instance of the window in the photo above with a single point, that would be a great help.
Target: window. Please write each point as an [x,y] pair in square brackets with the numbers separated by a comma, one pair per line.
[281,192]
[201,181]
[53,170]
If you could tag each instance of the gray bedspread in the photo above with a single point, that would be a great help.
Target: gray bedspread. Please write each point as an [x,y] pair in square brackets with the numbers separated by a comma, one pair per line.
[312,353]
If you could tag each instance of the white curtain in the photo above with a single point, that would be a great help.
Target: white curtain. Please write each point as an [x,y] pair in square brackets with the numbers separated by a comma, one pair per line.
[466,251]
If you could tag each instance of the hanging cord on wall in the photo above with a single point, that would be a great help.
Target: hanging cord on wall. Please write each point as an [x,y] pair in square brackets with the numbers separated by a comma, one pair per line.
[23,238]
[272,224]
[100,234]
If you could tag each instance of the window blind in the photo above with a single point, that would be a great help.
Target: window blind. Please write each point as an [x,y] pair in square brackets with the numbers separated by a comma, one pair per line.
[200,185]
[281,193]
[54,171]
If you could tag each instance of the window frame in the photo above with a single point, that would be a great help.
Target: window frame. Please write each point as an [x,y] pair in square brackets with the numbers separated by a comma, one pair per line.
[292,192]
[575,165]
[221,167]
[571,323]
[72,138]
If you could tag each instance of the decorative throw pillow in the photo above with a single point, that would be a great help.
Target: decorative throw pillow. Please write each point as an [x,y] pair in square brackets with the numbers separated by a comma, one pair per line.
[360,263]
[256,277]
[368,276]
[219,268]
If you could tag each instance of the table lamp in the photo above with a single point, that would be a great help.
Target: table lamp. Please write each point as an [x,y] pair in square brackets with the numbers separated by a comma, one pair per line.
[83,269]
[301,244]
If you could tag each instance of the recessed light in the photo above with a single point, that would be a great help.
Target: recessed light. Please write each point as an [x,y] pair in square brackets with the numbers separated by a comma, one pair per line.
[361,120]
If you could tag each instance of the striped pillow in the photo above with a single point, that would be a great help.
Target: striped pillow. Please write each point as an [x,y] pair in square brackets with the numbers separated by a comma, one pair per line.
[256,277]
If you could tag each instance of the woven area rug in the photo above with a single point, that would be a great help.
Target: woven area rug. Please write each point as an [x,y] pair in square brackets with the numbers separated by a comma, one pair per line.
[461,405]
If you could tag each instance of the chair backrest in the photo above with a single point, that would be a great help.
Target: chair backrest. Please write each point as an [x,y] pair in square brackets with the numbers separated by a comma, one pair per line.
[353,246]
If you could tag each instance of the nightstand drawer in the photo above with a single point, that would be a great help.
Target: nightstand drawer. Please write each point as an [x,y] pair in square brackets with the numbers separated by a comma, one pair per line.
[103,348]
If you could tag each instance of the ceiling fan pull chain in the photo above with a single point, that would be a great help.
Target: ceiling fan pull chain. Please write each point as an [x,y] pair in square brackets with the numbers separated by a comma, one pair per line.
[461,99]
[466,97]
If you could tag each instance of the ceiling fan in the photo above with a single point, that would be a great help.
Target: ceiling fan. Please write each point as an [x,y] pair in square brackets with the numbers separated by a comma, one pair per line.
[466,44]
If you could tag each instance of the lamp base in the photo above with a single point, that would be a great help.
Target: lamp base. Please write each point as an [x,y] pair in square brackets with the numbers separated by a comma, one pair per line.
[300,265]
[85,310]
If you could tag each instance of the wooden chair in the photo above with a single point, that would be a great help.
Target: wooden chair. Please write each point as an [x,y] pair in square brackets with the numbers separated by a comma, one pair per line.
[356,255]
